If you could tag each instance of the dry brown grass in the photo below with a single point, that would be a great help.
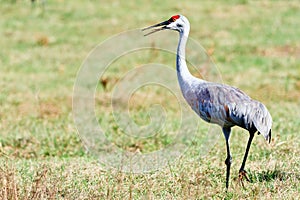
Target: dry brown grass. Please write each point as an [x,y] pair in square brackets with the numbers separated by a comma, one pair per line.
[255,45]
[12,187]
[288,51]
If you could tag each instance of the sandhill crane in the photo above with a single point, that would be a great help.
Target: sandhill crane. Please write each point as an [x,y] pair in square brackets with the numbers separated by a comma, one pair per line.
[217,103]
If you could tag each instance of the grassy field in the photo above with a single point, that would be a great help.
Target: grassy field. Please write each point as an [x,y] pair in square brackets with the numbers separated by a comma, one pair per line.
[255,45]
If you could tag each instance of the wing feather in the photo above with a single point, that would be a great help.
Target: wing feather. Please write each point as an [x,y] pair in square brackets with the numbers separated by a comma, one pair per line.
[229,106]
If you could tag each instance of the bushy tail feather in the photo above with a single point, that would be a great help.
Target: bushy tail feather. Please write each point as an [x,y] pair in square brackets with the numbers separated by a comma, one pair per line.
[263,121]
[268,137]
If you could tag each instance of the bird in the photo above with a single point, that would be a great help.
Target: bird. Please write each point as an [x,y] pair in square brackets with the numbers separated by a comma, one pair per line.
[217,103]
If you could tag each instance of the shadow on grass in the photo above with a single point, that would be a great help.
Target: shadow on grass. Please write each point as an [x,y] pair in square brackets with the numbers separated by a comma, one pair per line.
[272,175]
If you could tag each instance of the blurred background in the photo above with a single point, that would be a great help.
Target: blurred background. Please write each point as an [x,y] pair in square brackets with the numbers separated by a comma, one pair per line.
[254,44]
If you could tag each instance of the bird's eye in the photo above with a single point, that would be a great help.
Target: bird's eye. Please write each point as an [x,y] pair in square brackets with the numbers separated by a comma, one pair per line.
[179,25]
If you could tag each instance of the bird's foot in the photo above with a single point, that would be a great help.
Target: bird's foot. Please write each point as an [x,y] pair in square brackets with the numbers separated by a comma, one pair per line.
[242,175]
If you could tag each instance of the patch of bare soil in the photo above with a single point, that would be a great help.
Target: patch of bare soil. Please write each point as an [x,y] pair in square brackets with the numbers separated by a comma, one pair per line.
[281,51]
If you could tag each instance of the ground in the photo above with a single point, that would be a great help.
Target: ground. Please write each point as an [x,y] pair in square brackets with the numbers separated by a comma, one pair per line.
[254,44]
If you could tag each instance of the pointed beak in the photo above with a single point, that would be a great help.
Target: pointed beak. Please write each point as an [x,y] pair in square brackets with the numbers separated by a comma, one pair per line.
[159,27]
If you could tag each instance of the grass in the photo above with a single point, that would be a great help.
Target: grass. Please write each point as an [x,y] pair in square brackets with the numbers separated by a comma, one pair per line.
[255,45]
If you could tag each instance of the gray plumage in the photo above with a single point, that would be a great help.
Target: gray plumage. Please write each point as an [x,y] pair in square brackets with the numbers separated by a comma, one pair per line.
[228,106]
[217,103]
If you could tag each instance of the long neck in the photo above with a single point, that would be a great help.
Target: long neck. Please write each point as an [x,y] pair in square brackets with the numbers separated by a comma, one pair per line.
[183,73]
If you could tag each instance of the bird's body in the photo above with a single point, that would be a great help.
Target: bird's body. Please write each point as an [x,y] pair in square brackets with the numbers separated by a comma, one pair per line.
[227,106]
[217,103]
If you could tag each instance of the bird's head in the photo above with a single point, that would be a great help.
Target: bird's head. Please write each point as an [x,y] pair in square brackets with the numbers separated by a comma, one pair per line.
[176,22]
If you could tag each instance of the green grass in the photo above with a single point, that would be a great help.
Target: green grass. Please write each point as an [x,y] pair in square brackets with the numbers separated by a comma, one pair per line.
[255,45]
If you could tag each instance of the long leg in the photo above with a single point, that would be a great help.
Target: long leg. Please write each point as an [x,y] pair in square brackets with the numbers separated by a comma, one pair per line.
[242,172]
[226,132]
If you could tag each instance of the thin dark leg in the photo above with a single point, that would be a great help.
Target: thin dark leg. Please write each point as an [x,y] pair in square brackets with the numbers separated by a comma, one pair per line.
[247,151]
[242,172]
[226,132]
[228,164]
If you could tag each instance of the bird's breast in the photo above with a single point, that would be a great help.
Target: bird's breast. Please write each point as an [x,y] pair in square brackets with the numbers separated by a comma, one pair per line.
[193,101]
